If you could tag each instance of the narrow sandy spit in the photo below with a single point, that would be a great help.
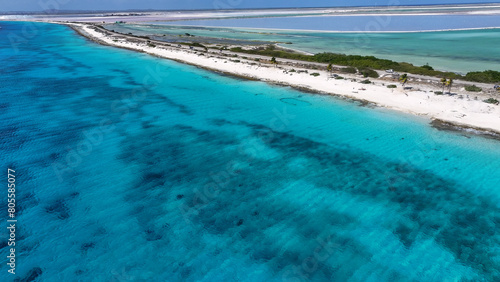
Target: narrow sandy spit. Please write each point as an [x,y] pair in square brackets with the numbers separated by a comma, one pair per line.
[464,109]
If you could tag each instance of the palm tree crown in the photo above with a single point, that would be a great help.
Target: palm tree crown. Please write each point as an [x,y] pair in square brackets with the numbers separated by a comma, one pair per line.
[449,83]
[443,82]
[403,79]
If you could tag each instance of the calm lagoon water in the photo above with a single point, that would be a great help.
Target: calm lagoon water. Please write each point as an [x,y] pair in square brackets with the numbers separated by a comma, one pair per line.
[372,23]
[134,168]
[457,50]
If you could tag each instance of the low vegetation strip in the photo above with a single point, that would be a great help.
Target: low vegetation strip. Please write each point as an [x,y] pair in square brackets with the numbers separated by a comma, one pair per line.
[371,62]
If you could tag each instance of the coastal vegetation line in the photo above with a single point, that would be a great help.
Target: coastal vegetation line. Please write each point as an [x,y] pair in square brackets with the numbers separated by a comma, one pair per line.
[367,63]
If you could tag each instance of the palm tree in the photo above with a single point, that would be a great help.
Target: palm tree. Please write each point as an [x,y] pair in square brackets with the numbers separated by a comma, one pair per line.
[443,82]
[403,79]
[273,60]
[449,83]
[329,68]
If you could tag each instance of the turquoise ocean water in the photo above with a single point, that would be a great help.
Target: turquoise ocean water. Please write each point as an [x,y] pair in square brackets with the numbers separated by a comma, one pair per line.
[134,168]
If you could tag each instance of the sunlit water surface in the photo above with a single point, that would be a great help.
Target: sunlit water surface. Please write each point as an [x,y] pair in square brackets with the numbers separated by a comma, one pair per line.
[203,177]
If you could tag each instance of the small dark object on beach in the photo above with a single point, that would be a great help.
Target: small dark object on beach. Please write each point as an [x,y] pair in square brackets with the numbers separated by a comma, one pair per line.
[492,101]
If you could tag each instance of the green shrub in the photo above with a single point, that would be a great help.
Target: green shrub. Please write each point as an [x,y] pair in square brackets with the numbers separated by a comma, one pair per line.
[196,44]
[349,70]
[427,67]
[488,76]
[366,81]
[339,77]
[292,70]
[473,88]
[391,86]
[438,92]
[491,101]
[369,73]
[315,74]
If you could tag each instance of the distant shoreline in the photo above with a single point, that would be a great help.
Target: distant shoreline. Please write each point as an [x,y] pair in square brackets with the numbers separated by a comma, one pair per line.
[378,7]
[233,11]
[324,31]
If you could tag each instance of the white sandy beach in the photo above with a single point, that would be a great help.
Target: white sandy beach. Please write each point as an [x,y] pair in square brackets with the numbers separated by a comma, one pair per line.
[461,109]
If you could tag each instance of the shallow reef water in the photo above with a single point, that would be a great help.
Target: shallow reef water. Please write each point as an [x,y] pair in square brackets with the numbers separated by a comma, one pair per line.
[133,168]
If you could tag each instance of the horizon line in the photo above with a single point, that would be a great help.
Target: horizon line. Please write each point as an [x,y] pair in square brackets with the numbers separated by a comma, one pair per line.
[237,9]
